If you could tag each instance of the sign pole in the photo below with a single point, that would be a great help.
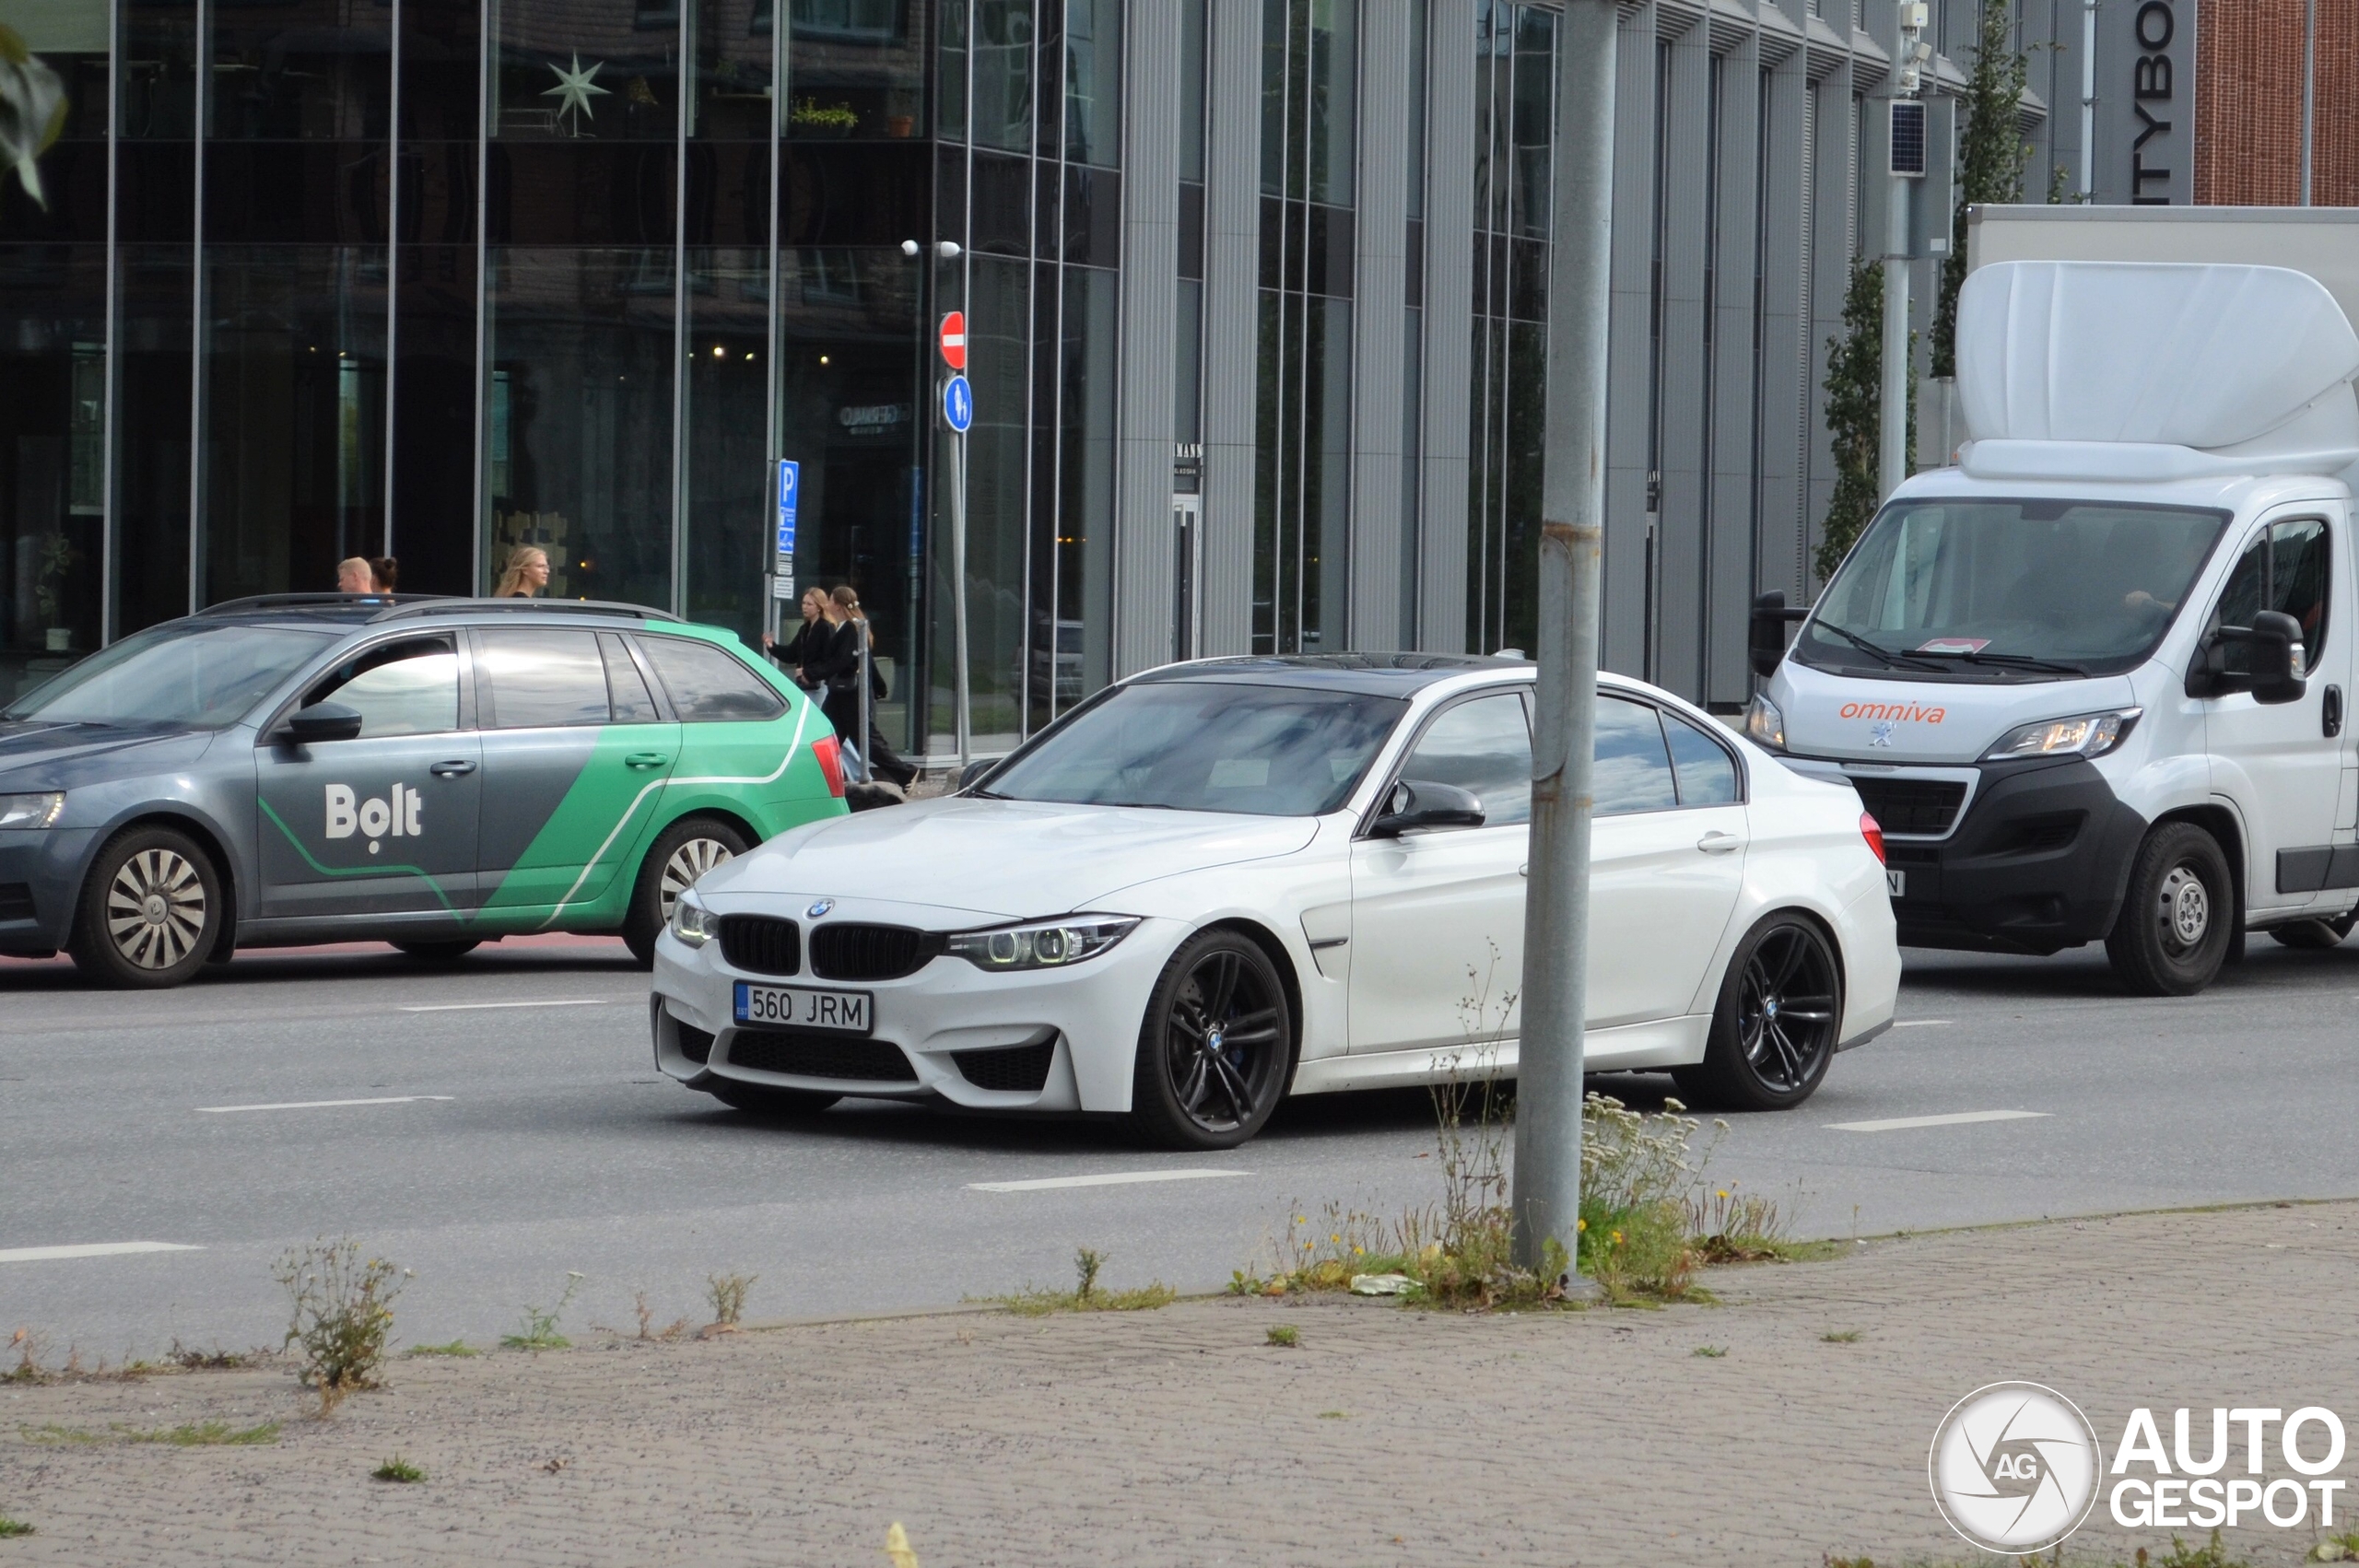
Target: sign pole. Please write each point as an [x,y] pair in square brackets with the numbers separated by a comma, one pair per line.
[958,413]
[1545,1200]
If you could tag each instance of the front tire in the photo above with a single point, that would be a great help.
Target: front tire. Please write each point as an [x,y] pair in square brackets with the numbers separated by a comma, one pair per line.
[681,853]
[767,1100]
[1775,1029]
[1215,1048]
[2173,932]
[151,911]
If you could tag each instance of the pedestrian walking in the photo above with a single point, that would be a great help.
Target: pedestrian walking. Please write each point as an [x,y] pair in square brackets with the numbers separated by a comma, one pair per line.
[805,655]
[385,571]
[355,576]
[854,638]
[527,573]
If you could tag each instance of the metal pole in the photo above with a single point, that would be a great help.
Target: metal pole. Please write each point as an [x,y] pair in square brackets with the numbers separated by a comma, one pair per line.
[1892,439]
[960,699]
[2088,100]
[867,768]
[1546,1196]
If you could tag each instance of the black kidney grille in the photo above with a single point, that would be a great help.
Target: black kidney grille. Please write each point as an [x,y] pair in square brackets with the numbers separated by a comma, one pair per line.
[761,945]
[853,952]
[1018,1070]
[821,1055]
[1924,806]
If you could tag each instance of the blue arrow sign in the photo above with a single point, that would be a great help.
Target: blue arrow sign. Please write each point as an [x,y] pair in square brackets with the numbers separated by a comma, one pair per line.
[958,404]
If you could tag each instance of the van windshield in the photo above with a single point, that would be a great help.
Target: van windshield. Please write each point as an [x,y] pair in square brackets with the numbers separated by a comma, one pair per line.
[1980,589]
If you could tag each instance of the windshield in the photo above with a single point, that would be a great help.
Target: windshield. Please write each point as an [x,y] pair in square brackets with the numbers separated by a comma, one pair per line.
[184,675]
[1206,746]
[1997,590]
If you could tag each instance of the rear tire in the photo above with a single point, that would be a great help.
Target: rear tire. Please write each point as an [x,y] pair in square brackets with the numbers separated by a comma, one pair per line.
[681,853]
[151,911]
[1775,1029]
[438,952]
[2318,936]
[766,1100]
[2172,934]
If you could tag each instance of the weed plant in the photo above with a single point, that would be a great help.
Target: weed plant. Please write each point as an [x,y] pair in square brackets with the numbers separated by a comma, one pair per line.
[343,1313]
[1035,1301]
[727,1293]
[1285,1337]
[539,1329]
[11,1529]
[198,1434]
[398,1470]
[455,1348]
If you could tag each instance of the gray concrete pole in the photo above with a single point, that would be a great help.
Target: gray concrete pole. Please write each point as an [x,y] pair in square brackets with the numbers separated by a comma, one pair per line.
[1547,1191]
[1891,437]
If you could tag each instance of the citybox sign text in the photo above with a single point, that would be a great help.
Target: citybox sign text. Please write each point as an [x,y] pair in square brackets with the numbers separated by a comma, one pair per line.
[2225,1469]
[2145,130]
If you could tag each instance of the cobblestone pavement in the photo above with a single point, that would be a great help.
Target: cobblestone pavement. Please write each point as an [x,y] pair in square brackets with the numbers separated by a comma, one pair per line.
[1181,1437]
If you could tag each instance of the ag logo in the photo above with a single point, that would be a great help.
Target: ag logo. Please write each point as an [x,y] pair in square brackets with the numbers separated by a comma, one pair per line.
[2014,1467]
[394,816]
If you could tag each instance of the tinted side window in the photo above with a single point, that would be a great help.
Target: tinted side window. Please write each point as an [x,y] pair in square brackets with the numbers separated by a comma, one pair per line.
[2284,568]
[707,684]
[1707,773]
[626,687]
[1633,766]
[398,688]
[1485,747]
[537,678]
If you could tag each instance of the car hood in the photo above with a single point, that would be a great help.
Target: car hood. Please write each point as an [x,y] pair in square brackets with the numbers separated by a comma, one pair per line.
[39,756]
[969,857]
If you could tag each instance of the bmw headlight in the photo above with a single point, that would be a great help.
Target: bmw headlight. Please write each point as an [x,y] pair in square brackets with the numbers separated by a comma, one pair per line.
[1763,725]
[1040,944]
[31,811]
[691,922]
[2088,735]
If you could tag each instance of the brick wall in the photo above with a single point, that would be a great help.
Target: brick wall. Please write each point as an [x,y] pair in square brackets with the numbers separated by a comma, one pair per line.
[2248,103]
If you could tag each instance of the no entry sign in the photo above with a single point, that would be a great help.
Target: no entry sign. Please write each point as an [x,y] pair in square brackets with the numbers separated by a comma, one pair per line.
[954,340]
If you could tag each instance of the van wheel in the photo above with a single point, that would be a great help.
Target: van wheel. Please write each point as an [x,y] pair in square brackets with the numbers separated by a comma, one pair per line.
[2317,935]
[681,853]
[2173,927]
[151,911]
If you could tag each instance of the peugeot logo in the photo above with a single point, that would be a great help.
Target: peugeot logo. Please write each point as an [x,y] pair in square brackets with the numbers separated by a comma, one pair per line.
[821,907]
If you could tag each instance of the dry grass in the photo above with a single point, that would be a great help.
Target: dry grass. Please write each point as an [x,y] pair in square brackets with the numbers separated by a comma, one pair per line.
[343,1314]
[1087,1295]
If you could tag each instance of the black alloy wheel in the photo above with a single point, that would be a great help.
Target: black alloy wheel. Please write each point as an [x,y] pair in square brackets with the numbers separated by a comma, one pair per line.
[1774,1030]
[1216,1047]
[151,912]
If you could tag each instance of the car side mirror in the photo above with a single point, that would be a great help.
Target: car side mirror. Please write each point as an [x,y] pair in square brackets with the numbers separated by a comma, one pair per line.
[323,721]
[972,774]
[2277,659]
[1418,803]
[1766,638]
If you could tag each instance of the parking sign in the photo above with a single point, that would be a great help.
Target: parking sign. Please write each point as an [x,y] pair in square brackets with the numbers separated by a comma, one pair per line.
[789,481]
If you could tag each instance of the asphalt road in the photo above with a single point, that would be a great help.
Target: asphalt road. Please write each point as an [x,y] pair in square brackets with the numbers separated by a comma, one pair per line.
[541,1141]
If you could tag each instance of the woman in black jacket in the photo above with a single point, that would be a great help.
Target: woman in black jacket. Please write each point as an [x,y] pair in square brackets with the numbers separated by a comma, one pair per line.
[805,655]
[841,702]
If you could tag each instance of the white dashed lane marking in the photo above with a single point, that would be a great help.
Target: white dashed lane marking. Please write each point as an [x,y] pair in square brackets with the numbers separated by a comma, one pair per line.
[1115,1178]
[1956,1118]
[321,1104]
[89,1249]
[488,1006]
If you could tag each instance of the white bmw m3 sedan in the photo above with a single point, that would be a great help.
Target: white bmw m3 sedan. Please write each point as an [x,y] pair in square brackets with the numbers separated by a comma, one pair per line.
[1219,882]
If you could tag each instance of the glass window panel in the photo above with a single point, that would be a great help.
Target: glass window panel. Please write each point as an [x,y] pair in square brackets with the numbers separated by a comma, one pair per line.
[1417,161]
[600,70]
[1633,770]
[1334,92]
[732,51]
[2298,577]
[52,391]
[858,69]
[435,510]
[999,314]
[729,490]
[1187,363]
[1192,88]
[311,72]
[295,416]
[627,690]
[152,477]
[1534,89]
[708,684]
[1484,747]
[1327,476]
[953,70]
[192,675]
[578,437]
[1707,772]
[402,688]
[1094,82]
[1085,524]
[1004,72]
[535,678]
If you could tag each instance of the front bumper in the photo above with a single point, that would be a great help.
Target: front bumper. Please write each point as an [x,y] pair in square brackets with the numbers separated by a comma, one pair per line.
[948,1032]
[41,877]
[2040,862]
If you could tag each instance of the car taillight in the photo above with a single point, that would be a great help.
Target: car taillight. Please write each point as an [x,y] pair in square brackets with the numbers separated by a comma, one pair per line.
[1870,829]
[831,763]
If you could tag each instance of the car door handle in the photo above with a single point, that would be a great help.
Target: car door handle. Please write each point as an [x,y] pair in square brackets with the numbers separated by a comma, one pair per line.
[645,759]
[452,768]
[2331,712]
[1717,843]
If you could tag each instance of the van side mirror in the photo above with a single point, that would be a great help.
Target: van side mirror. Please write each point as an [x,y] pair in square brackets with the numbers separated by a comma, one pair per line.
[1417,803]
[2277,659]
[1765,639]
[323,721]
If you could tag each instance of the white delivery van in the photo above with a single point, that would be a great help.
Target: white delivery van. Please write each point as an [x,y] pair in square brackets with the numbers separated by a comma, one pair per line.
[2093,680]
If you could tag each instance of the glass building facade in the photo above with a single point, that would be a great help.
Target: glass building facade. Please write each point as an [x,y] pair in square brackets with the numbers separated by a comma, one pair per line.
[1256,294]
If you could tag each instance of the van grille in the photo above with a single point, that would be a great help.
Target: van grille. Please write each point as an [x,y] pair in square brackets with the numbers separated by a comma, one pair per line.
[854,951]
[821,1056]
[761,946]
[1925,807]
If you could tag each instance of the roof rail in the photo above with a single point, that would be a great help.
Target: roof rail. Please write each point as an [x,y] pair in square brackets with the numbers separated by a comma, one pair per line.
[309,601]
[453,606]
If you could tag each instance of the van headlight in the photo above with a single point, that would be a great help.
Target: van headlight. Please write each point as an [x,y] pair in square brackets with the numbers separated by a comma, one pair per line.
[1763,725]
[2087,735]
[1040,944]
[691,922]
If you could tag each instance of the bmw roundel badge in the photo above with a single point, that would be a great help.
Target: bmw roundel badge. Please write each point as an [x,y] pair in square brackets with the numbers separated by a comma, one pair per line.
[821,907]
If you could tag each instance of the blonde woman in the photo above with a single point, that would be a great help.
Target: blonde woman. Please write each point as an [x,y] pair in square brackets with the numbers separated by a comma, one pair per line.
[527,573]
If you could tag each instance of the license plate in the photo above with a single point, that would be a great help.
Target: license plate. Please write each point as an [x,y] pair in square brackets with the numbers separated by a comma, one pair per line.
[802,1007]
[1895,883]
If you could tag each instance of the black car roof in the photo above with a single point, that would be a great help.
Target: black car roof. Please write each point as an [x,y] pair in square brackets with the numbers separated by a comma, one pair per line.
[1375,674]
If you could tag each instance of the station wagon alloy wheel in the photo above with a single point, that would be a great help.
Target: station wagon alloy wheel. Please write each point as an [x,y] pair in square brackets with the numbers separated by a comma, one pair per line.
[681,853]
[151,911]
[156,908]
[687,863]
[1214,1052]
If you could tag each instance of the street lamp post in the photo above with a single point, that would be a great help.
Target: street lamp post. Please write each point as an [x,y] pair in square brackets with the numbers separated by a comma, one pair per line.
[1906,118]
